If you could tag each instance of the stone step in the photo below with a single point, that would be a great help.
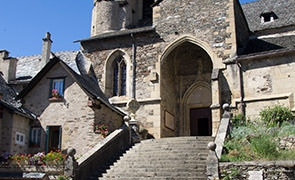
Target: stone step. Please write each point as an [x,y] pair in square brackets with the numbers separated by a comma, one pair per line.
[181,138]
[163,164]
[146,159]
[174,141]
[167,165]
[152,169]
[194,157]
[171,149]
[204,177]
[164,147]
[150,154]
[168,155]
[153,174]
[168,158]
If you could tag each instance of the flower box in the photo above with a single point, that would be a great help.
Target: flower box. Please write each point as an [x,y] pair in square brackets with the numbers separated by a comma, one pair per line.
[55,99]
[103,130]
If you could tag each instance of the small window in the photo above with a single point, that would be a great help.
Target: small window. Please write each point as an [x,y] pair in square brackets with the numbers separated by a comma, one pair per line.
[56,87]
[20,138]
[119,77]
[268,17]
[35,137]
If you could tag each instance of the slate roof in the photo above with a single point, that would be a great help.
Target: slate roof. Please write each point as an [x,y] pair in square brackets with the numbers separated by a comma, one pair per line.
[269,44]
[88,83]
[29,66]
[118,33]
[284,9]
[9,102]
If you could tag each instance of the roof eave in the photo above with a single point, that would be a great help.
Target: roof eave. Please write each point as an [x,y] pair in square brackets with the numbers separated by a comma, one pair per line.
[118,34]
[16,111]
[262,55]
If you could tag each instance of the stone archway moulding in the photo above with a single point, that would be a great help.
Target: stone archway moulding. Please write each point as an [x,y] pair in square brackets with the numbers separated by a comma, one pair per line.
[193,87]
[213,86]
[185,124]
[216,62]
[108,73]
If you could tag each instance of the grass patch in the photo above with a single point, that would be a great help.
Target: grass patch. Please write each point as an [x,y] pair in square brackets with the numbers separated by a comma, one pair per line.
[258,140]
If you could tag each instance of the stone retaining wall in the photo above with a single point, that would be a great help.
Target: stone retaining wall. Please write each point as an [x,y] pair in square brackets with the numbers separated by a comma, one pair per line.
[268,169]
[287,142]
[52,171]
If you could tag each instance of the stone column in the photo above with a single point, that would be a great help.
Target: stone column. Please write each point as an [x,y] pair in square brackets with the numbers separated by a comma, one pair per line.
[71,164]
[215,107]
[132,107]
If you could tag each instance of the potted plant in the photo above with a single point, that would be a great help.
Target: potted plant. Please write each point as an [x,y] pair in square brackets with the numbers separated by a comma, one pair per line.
[55,95]
[102,129]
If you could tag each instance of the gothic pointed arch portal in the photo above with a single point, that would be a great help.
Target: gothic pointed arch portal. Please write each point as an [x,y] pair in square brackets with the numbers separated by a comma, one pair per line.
[185,89]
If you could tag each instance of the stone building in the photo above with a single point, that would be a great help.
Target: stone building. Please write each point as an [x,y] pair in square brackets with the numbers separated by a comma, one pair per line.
[53,122]
[192,57]
[180,60]
[68,120]
[15,121]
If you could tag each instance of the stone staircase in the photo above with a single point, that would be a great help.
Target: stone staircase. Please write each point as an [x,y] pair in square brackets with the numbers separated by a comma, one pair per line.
[181,158]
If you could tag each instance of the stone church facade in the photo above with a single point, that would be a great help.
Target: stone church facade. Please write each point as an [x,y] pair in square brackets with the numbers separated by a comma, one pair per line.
[185,59]
[180,60]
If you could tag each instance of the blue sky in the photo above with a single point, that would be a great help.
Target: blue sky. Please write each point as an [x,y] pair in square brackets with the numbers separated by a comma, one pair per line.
[24,23]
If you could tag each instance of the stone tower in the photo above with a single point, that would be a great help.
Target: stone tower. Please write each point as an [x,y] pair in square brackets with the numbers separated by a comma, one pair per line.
[114,15]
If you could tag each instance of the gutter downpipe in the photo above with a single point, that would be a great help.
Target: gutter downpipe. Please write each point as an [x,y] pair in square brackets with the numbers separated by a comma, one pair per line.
[133,92]
[242,109]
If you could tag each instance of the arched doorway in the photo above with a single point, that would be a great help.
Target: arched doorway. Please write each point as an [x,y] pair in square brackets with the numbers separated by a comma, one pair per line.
[185,89]
[195,106]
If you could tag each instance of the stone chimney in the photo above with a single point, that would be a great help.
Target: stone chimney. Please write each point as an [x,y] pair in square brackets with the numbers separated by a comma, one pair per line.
[46,49]
[7,65]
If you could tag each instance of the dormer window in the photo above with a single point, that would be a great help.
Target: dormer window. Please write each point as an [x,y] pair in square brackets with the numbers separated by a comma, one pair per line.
[268,17]
[56,89]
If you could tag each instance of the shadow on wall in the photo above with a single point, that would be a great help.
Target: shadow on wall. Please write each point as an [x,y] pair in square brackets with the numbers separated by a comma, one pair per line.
[122,41]
[225,92]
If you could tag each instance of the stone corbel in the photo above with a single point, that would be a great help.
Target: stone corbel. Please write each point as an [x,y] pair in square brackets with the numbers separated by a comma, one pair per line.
[154,77]
[215,74]
[93,103]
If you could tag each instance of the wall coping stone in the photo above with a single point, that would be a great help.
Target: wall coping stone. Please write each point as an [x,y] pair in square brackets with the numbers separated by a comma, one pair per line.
[281,163]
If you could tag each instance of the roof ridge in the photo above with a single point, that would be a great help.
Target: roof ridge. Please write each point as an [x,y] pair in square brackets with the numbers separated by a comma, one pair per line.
[66,51]
[35,55]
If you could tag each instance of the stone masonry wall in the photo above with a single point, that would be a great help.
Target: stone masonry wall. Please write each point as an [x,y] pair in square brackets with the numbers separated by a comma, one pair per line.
[10,124]
[266,82]
[6,127]
[72,114]
[21,125]
[281,170]
[206,21]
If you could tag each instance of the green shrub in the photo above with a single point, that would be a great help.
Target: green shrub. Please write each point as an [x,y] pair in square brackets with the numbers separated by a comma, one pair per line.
[276,115]
[236,150]
[231,174]
[242,132]
[238,120]
[287,129]
[264,147]
[287,155]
